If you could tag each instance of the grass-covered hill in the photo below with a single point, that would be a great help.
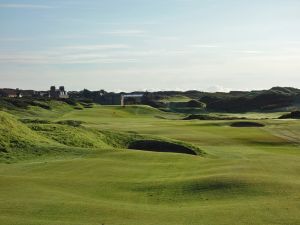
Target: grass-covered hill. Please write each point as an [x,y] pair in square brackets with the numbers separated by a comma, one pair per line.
[93,164]
[275,99]
[292,115]
[15,135]
[20,137]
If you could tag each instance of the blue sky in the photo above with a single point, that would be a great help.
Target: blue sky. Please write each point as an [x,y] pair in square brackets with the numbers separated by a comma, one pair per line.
[214,45]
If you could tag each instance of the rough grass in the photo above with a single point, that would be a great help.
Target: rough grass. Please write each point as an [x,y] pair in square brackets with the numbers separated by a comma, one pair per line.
[73,123]
[17,137]
[18,142]
[70,136]
[14,134]
[92,138]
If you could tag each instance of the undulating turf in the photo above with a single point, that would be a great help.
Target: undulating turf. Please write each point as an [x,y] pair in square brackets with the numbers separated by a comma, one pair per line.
[85,175]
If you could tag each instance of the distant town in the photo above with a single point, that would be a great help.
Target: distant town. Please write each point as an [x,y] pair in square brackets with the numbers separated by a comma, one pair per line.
[103,97]
[18,93]
[276,98]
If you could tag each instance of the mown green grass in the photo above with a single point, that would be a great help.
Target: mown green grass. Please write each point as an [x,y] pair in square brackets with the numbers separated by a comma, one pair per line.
[178,98]
[248,175]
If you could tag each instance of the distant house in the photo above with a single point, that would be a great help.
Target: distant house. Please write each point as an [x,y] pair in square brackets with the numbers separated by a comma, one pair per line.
[42,94]
[26,93]
[10,93]
[131,99]
[58,93]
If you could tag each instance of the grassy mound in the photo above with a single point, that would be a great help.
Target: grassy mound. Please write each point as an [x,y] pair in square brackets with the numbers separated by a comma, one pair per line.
[33,138]
[160,146]
[247,124]
[85,137]
[37,136]
[23,103]
[16,138]
[71,136]
[292,115]
[141,110]
[35,108]
[14,134]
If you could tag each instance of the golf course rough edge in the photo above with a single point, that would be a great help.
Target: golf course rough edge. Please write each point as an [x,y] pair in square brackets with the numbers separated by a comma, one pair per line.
[36,138]
[14,134]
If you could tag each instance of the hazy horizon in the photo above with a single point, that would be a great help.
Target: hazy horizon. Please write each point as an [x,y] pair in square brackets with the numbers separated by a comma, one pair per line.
[138,45]
[209,90]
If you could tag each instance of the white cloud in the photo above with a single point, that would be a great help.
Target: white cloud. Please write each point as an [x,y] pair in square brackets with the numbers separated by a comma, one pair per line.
[78,54]
[73,54]
[92,54]
[52,58]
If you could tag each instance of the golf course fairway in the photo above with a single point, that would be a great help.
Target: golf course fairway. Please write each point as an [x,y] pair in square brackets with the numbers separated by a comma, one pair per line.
[64,173]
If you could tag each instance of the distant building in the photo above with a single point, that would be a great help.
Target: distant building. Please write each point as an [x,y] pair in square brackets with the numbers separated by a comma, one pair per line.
[58,93]
[43,94]
[19,94]
[26,93]
[131,99]
[10,93]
